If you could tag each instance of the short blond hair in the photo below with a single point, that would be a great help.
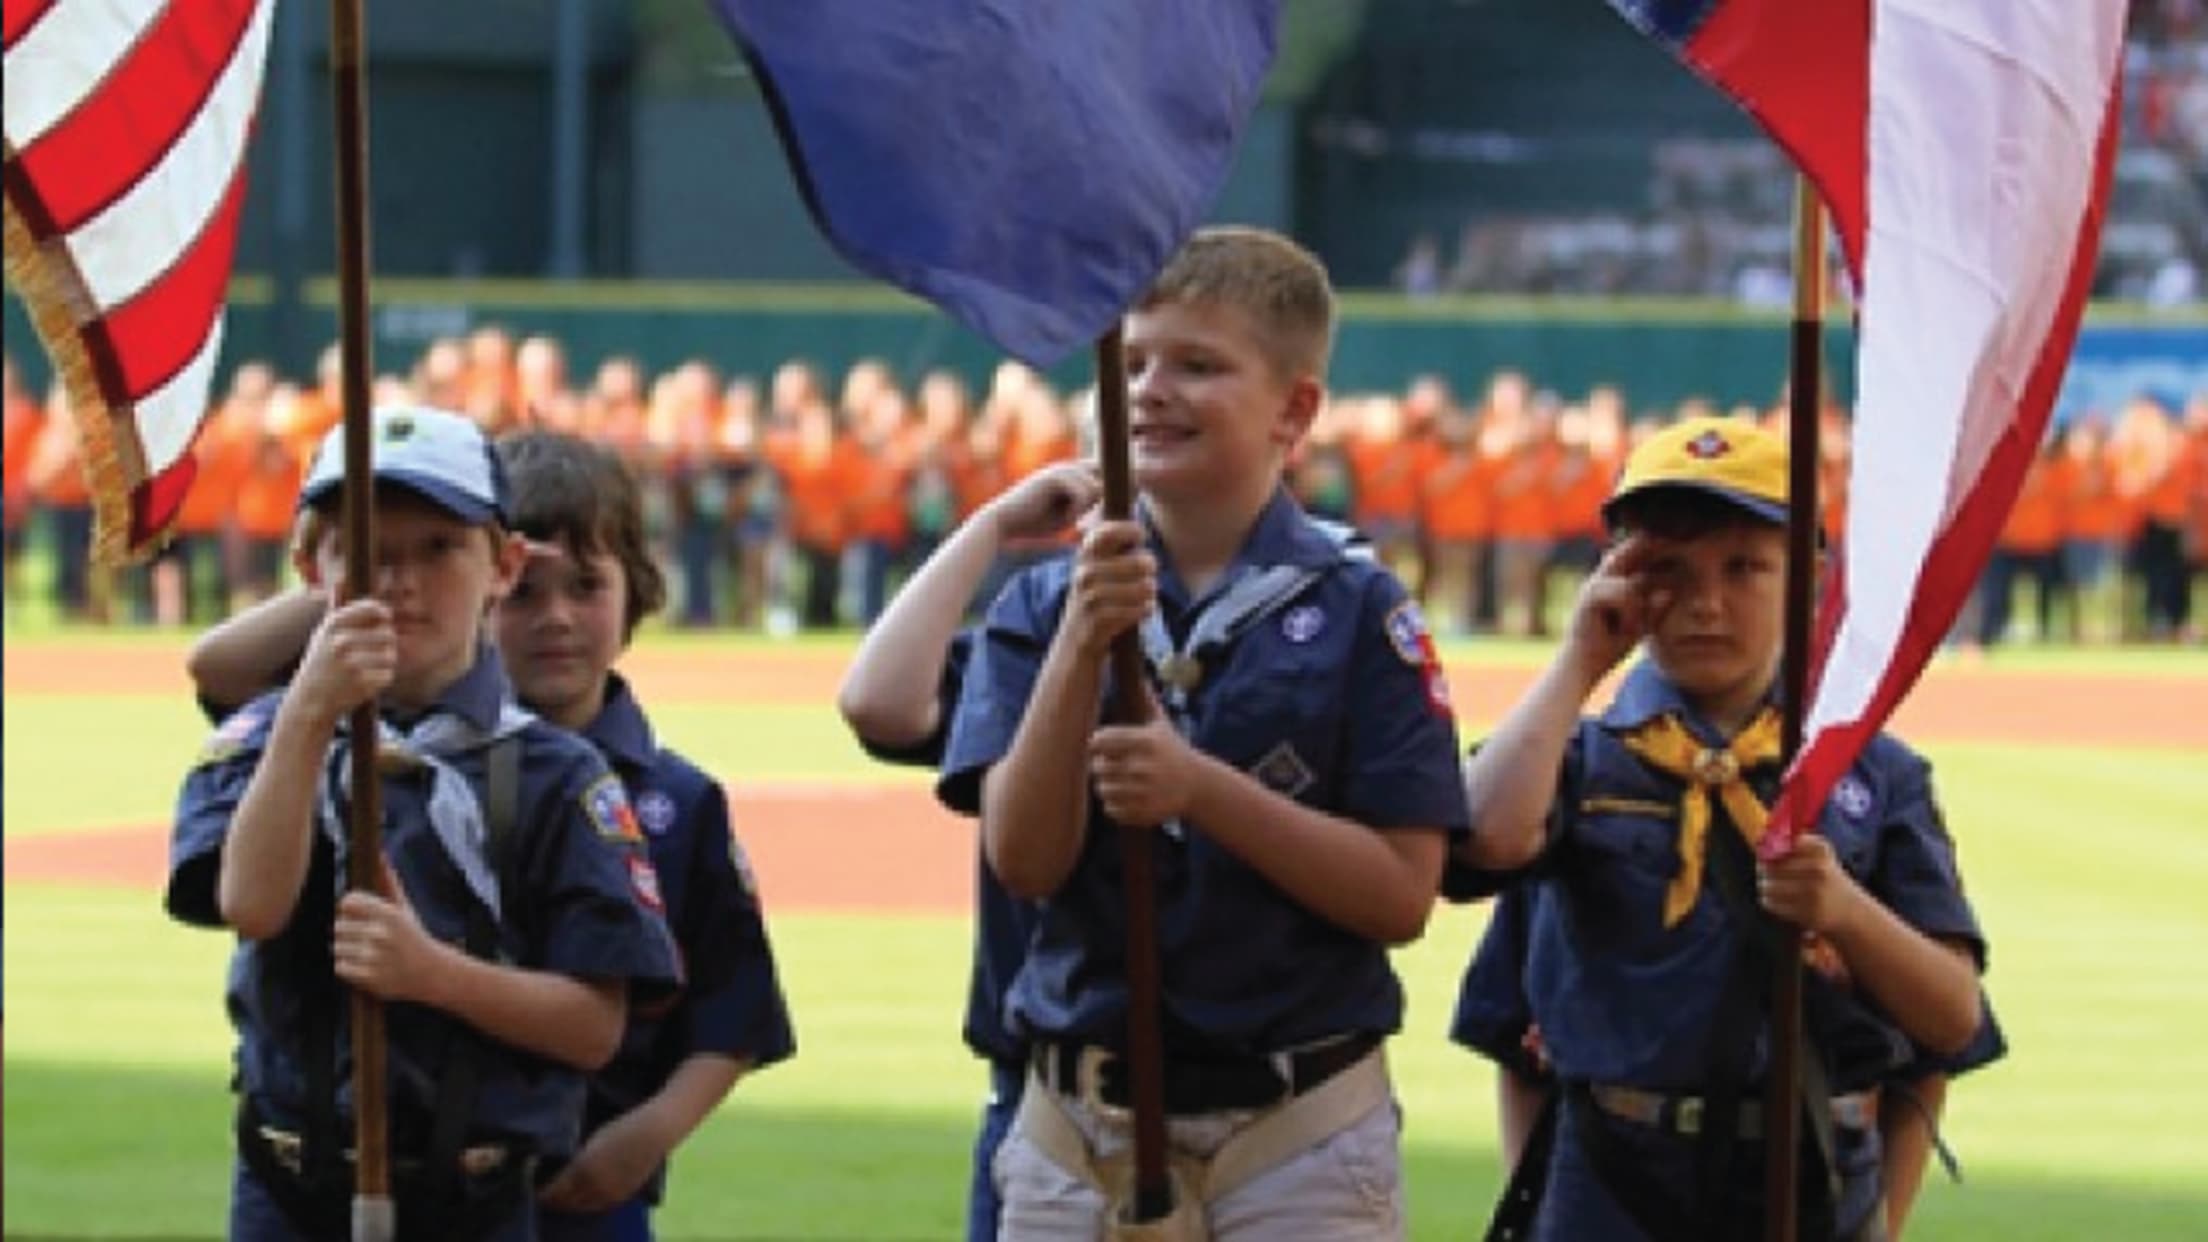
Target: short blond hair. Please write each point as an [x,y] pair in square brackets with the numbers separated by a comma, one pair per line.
[1281,286]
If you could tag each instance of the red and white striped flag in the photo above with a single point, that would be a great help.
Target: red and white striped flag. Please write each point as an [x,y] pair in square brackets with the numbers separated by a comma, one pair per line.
[126,125]
[1964,147]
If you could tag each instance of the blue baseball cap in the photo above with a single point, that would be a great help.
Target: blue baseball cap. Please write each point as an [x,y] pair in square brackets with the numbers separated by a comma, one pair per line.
[440,456]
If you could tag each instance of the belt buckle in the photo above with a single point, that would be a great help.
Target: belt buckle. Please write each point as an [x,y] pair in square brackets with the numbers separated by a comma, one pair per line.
[1088,1082]
[1687,1115]
[286,1147]
[478,1161]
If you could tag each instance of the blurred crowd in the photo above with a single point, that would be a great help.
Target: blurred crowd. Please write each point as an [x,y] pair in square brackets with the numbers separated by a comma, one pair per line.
[1715,216]
[799,503]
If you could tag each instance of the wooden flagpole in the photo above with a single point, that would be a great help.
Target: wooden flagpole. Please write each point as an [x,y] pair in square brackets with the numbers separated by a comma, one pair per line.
[373,1218]
[1144,1049]
[1782,1095]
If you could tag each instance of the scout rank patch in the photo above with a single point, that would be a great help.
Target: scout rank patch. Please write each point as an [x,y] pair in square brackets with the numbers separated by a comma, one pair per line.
[1414,645]
[1283,771]
[609,811]
[228,740]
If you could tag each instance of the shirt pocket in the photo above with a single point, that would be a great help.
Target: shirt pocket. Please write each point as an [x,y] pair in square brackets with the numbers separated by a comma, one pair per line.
[1623,862]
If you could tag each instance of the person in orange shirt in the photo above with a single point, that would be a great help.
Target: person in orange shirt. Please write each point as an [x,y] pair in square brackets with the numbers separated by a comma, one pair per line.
[488,387]
[267,498]
[2196,529]
[1460,519]
[1584,472]
[55,479]
[1384,474]
[2095,527]
[2165,501]
[816,464]
[24,421]
[2030,545]
[881,521]
[1524,515]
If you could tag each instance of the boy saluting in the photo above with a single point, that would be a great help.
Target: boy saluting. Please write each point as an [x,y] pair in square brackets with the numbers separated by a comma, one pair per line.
[1646,945]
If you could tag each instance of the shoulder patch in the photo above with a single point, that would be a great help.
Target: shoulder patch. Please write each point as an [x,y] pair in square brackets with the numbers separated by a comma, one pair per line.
[229,738]
[1407,633]
[609,812]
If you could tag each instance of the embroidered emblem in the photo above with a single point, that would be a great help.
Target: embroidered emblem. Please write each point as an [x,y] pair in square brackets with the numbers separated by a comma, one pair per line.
[1708,446]
[398,428]
[609,811]
[656,811]
[645,880]
[228,740]
[1283,771]
[1852,797]
[1301,625]
[1406,628]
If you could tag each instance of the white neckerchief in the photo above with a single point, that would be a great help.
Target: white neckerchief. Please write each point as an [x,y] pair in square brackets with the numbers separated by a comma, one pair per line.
[455,813]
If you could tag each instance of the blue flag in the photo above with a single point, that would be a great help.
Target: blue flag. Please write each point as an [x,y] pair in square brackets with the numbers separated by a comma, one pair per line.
[1027,165]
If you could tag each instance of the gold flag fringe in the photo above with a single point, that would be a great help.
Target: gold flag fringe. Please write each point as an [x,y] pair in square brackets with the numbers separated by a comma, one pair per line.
[54,293]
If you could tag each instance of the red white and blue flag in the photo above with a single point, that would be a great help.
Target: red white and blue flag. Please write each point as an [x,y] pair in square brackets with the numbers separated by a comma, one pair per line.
[1964,148]
[126,127]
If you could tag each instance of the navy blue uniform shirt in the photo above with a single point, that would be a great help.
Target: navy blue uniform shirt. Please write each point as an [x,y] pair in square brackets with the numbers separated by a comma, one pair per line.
[1002,923]
[1620,998]
[576,897]
[1334,700]
[732,1002]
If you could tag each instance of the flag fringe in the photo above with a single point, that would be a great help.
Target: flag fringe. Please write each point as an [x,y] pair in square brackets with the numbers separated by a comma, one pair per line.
[54,293]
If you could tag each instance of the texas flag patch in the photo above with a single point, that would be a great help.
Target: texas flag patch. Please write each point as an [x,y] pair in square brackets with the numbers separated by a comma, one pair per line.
[1414,645]
[608,810]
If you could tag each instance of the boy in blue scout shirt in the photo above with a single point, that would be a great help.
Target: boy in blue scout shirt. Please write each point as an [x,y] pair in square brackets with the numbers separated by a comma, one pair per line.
[588,580]
[516,913]
[1300,824]
[898,697]
[1629,833]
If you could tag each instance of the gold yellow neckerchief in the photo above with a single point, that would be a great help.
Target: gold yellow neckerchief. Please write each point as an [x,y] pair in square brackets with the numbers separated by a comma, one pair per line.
[1669,746]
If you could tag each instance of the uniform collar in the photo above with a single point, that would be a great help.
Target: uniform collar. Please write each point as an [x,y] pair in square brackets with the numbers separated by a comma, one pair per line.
[1282,535]
[480,693]
[1647,694]
[619,729]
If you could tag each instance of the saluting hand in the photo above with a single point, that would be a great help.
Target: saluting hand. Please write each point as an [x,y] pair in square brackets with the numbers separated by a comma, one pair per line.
[1145,774]
[380,947]
[351,658]
[1621,601]
[1115,584]
[1047,501]
[1808,887]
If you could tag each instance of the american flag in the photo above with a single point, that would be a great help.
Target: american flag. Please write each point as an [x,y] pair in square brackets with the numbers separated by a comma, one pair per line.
[126,127]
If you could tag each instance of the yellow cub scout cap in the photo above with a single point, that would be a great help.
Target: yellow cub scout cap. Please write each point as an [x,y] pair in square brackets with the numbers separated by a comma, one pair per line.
[1726,457]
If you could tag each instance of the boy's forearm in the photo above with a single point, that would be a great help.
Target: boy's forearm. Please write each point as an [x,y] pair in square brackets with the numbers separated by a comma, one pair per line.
[889,696]
[688,1097]
[245,656]
[576,1022]
[1035,803]
[1510,781]
[265,854]
[1929,987]
[1905,1132]
[1380,885]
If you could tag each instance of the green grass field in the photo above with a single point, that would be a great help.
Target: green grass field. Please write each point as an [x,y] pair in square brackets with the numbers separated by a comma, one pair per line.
[2087,866]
